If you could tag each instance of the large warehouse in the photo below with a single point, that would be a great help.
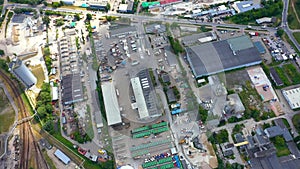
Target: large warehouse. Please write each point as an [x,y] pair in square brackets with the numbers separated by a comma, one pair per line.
[20,70]
[111,104]
[211,58]
[292,96]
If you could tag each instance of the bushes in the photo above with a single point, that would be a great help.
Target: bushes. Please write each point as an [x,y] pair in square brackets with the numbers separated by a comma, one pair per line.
[153,79]
[48,60]
[292,73]
[270,9]
[176,46]
[30,2]
[203,114]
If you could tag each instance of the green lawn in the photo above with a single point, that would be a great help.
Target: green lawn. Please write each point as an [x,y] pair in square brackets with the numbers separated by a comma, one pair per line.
[296,122]
[280,145]
[7,114]
[297,35]
[38,72]
[292,19]
[292,72]
[48,160]
[6,120]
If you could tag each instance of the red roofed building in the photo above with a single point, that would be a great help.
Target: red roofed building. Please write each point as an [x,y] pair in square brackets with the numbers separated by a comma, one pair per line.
[168,2]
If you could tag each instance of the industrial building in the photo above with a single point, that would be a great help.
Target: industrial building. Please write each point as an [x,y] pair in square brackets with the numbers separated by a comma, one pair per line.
[68,2]
[262,84]
[292,96]
[98,6]
[22,72]
[111,104]
[121,30]
[244,6]
[54,93]
[62,157]
[71,89]
[140,100]
[71,84]
[197,39]
[126,8]
[145,95]
[211,58]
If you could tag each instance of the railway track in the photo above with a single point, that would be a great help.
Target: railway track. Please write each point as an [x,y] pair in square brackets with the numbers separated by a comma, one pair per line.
[29,144]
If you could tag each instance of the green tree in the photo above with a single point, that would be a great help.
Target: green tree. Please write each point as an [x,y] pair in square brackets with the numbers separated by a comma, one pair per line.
[42,112]
[46,20]
[89,17]
[279,141]
[123,2]
[280,32]
[48,126]
[202,113]
[77,17]
[108,6]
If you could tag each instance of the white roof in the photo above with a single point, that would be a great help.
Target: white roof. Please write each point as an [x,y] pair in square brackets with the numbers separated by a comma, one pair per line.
[293,97]
[263,20]
[123,7]
[139,97]
[205,39]
[111,103]
[64,158]
[54,93]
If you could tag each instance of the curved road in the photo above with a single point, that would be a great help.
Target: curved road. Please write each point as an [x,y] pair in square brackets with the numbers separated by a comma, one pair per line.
[285,24]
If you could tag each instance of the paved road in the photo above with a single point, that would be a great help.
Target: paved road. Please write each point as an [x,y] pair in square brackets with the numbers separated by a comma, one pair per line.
[285,24]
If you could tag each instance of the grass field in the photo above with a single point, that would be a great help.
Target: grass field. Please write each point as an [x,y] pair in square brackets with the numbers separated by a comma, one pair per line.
[7,114]
[39,74]
[297,36]
[48,160]
[292,19]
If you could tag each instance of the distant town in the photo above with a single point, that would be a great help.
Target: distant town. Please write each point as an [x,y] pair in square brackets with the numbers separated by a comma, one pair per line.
[167,84]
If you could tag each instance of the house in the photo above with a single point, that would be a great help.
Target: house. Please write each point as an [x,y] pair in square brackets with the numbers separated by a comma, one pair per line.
[278,131]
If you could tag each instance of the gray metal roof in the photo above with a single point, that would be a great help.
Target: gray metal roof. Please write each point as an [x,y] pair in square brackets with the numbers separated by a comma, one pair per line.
[23,73]
[215,57]
[275,77]
[171,96]
[72,88]
[193,39]
[60,155]
[122,30]
[155,28]
[18,18]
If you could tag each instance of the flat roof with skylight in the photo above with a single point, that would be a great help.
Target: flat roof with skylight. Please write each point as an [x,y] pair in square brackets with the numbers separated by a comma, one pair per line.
[139,97]
[292,96]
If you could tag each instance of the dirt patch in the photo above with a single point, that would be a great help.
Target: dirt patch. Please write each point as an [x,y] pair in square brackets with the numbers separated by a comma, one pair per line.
[236,77]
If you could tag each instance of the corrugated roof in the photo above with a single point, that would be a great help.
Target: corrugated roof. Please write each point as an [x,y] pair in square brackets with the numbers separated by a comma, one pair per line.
[23,73]
[60,155]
